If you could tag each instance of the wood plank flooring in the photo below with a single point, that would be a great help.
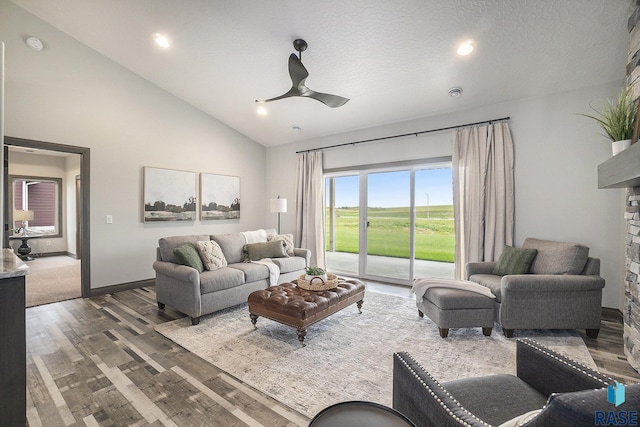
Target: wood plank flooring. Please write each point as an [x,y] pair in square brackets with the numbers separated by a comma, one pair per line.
[98,362]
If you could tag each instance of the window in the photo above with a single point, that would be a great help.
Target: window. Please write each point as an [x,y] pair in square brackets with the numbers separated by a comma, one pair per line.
[43,197]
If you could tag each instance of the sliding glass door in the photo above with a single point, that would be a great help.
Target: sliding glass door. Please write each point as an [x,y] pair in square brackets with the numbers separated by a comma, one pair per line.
[342,240]
[404,231]
[388,225]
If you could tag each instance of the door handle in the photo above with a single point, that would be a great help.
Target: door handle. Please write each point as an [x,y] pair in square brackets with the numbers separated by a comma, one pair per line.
[368,224]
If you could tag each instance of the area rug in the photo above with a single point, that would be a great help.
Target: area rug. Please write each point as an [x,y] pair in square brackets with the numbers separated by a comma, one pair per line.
[349,355]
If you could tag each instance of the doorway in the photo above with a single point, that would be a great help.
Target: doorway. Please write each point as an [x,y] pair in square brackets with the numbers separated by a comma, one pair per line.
[77,245]
[391,224]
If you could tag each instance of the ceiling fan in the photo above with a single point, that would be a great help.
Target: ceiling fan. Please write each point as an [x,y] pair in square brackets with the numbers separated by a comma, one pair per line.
[299,74]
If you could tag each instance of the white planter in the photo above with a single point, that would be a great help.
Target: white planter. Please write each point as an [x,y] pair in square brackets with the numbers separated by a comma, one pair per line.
[619,146]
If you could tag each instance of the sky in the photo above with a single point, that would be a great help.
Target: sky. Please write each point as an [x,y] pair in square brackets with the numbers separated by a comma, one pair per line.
[392,189]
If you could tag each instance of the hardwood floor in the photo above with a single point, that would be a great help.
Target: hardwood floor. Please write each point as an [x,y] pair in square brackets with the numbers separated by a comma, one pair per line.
[98,362]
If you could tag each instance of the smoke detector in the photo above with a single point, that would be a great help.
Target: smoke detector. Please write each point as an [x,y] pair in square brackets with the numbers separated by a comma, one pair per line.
[455,92]
[34,43]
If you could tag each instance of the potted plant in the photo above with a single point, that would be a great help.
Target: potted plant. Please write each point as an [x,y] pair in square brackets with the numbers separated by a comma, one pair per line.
[617,119]
[313,272]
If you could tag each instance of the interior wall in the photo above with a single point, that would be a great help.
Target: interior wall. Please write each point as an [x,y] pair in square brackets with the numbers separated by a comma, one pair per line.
[72,169]
[70,94]
[556,154]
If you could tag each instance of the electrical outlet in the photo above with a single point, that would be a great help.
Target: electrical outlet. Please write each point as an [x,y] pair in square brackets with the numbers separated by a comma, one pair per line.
[109,219]
[48,243]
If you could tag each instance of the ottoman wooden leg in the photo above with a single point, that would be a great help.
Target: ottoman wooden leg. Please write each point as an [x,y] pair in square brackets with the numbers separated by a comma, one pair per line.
[254,319]
[487,331]
[359,303]
[301,334]
[444,332]
[421,314]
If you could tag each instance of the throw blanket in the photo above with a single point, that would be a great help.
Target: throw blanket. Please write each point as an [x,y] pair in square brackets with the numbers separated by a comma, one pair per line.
[256,236]
[420,286]
[274,270]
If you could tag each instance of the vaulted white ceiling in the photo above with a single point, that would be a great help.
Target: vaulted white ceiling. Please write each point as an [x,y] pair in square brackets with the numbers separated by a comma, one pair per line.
[395,59]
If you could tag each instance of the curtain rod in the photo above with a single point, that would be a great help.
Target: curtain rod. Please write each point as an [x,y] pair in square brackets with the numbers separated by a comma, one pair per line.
[402,135]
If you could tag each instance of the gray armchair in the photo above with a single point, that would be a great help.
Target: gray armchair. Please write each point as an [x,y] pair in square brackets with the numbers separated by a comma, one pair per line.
[565,392]
[563,289]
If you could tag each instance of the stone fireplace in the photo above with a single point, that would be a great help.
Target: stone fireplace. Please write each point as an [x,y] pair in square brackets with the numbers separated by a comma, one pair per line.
[632,285]
[623,171]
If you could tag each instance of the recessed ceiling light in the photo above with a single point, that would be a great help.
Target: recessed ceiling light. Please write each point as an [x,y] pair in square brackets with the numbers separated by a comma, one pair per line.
[161,40]
[34,43]
[261,111]
[455,92]
[465,48]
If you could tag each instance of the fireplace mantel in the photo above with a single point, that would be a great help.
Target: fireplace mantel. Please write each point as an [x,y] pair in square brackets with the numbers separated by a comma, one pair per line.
[622,170]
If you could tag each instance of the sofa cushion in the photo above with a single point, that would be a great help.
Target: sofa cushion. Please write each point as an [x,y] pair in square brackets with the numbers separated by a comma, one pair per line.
[231,244]
[252,272]
[287,239]
[290,264]
[514,261]
[168,244]
[557,257]
[491,281]
[479,396]
[274,249]
[188,255]
[211,254]
[217,280]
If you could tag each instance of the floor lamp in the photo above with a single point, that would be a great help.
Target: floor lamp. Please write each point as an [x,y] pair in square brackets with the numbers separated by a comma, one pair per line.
[278,205]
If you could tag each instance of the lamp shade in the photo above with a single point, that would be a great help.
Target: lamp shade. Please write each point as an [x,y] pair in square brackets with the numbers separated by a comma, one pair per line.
[22,215]
[278,205]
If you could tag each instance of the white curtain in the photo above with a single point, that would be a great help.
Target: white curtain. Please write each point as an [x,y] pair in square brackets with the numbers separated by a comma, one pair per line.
[310,206]
[483,200]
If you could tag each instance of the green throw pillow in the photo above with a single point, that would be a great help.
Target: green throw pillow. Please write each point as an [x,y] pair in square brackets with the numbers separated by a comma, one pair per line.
[514,261]
[188,255]
[273,249]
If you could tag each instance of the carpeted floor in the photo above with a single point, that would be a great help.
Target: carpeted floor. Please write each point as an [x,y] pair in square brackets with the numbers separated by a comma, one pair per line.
[349,355]
[52,279]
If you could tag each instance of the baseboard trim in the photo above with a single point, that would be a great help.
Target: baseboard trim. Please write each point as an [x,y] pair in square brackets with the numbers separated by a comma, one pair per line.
[612,314]
[48,254]
[121,287]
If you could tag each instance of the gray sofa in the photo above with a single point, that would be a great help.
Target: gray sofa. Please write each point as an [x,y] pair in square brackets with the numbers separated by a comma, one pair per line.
[563,289]
[560,391]
[195,294]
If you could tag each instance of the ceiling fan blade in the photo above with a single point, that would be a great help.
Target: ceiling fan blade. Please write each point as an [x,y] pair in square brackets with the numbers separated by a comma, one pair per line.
[327,99]
[297,71]
[289,94]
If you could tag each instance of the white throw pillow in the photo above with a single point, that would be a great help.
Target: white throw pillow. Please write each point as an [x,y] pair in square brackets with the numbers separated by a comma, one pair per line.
[211,254]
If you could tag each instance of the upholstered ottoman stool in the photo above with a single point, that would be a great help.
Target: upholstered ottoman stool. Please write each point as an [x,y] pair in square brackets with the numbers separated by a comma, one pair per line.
[457,308]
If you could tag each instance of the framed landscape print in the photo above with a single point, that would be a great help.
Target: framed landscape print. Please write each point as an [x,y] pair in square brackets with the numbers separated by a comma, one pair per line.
[169,195]
[219,196]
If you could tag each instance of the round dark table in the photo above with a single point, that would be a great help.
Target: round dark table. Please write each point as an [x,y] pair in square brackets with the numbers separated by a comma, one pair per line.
[360,414]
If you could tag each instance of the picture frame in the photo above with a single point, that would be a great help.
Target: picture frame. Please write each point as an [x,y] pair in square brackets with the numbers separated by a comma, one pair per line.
[219,197]
[169,195]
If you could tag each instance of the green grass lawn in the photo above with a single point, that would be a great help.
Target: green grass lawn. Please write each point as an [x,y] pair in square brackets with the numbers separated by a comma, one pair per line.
[388,233]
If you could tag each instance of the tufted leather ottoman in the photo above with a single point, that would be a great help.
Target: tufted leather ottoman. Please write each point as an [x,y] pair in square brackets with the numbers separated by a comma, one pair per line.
[293,306]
